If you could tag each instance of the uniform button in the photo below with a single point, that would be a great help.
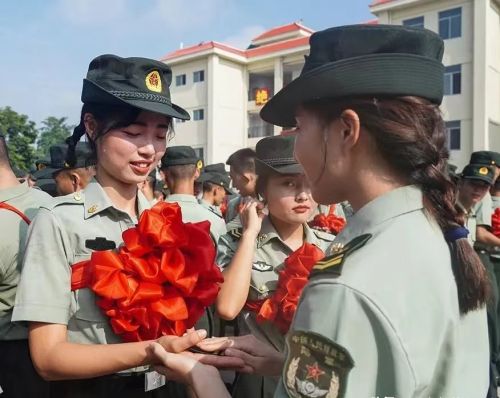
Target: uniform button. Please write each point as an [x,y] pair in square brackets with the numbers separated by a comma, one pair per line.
[263,288]
[77,196]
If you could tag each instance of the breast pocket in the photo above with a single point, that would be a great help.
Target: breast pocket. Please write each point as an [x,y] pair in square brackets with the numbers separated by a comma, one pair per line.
[86,307]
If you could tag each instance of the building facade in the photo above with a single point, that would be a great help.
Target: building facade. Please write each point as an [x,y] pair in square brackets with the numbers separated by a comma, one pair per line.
[471,33]
[223,88]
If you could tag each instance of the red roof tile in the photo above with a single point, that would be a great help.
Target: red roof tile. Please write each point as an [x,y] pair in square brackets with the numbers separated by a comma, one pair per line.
[202,47]
[278,46]
[283,29]
[379,2]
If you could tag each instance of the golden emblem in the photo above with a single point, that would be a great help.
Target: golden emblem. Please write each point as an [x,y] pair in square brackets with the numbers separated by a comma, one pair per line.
[92,209]
[199,164]
[153,81]
[483,171]
[77,196]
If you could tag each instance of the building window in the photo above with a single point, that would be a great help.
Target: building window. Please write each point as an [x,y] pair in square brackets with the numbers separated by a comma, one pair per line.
[180,80]
[417,22]
[453,80]
[453,134]
[199,76]
[450,23]
[198,114]
[200,154]
[258,127]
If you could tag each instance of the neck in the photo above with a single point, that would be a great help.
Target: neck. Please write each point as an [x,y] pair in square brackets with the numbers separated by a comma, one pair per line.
[290,233]
[371,183]
[122,195]
[7,178]
[208,197]
[183,187]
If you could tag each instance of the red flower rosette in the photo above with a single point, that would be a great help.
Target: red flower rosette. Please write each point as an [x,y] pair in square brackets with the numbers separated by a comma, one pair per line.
[495,222]
[160,280]
[330,223]
[281,306]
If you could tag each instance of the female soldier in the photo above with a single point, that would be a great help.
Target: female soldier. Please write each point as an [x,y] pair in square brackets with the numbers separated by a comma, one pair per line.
[252,256]
[397,308]
[127,116]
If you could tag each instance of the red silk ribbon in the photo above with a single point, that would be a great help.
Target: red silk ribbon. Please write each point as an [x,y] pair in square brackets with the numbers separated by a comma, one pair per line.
[281,306]
[161,279]
[331,223]
[495,222]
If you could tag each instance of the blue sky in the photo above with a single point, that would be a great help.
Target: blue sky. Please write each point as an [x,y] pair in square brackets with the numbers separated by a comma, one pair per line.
[46,45]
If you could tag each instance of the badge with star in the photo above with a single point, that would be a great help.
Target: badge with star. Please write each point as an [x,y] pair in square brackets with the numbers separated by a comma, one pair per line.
[316,366]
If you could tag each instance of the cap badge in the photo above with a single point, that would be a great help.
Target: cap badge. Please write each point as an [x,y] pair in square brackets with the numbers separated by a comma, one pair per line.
[483,171]
[199,164]
[92,209]
[153,81]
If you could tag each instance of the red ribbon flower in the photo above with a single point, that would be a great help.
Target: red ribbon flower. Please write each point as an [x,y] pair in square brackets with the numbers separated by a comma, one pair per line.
[331,223]
[281,306]
[161,279]
[495,222]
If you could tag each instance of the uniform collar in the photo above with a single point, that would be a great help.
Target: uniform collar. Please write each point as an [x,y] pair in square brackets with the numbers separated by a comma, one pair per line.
[268,232]
[203,202]
[181,197]
[13,192]
[95,200]
[390,205]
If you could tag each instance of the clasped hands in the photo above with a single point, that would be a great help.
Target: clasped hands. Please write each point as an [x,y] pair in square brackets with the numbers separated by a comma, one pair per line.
[245,354]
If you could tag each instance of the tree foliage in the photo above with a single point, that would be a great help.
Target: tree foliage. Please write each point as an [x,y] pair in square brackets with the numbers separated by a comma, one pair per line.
[20,134]
[53,131]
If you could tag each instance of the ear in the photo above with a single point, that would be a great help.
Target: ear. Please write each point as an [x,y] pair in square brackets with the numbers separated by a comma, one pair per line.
[90,125]
[197,173]
[249,176]
[75,180]
[350,128]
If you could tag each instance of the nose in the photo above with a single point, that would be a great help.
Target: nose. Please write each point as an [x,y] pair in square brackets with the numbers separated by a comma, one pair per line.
[301,195]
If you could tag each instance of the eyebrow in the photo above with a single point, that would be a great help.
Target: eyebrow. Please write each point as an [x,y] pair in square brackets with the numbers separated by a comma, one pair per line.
[158,126]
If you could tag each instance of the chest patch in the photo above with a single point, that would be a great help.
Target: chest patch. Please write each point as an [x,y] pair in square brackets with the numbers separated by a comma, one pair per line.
[315,366]
[261,266]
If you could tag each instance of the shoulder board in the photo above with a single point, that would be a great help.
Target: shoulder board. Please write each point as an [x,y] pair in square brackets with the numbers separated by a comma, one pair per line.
[323,235]
[236,233]
[71,199]
[333,263]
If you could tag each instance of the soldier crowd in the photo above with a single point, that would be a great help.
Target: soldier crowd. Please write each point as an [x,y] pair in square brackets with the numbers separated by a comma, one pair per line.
[388,288]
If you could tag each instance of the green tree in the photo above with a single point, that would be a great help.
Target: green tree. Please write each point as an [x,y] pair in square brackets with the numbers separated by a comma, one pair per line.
[53,131]
[20,134]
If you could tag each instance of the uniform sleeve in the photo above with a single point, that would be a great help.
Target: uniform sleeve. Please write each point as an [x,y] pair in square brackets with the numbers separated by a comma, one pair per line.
[44,292]
[484,211]
[225,251]
[364,356]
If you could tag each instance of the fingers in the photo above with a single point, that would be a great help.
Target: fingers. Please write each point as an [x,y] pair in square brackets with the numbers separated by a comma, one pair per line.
[246,358]
[215,344]
[179,344]
[224,362]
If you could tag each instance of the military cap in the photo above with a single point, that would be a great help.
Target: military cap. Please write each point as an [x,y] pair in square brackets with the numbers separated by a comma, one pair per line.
[363,60]
[216,178]
[487,158]
[83,157]
[180,155]
[479,172]
[42,171]
[277,154]
[47,185]
[217,168]
[140,82]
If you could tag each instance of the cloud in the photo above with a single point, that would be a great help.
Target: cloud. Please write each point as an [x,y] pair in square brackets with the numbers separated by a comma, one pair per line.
[243,38]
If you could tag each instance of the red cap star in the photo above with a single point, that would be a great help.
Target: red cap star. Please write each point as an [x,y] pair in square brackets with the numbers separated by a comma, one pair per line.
[313,372]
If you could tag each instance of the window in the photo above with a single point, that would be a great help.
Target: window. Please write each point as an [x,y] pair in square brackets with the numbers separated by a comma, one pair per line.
[453,80]
[258,127]
[198,114]
[450,23]
[200,153]
[453,134]
[180,80]
[417,22]
[199,76]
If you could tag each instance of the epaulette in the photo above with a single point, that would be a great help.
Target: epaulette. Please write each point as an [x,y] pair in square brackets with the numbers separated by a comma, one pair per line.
[333,263]
[75,198]
[236,233]
[323,235]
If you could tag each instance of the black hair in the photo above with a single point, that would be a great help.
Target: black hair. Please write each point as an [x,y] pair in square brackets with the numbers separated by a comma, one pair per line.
[243,160]
[4,152]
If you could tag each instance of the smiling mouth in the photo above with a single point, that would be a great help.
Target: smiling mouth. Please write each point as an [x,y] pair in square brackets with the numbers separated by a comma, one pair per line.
[141,167]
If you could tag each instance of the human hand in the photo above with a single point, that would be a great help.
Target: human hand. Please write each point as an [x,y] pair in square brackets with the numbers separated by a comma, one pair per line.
[251,215]
[258,357]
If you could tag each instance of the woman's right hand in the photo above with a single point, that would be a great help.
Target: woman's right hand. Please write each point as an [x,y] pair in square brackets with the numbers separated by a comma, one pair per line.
[251,215]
